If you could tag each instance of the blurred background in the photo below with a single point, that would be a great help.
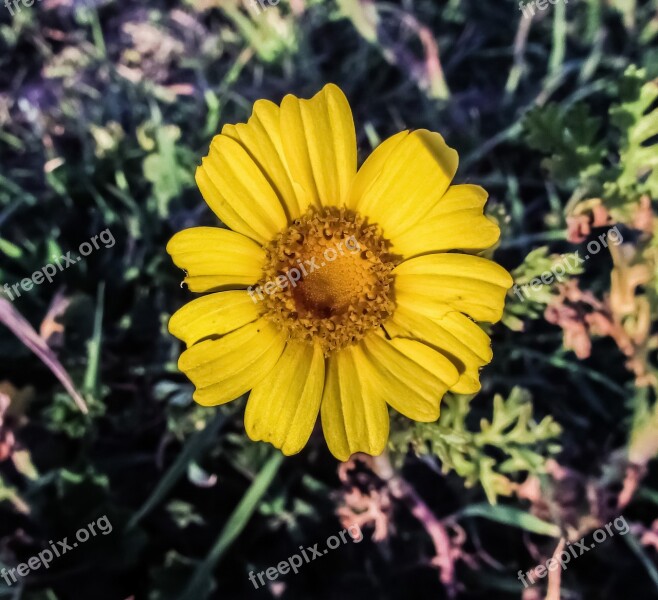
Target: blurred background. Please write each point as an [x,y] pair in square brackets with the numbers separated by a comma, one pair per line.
[105,110]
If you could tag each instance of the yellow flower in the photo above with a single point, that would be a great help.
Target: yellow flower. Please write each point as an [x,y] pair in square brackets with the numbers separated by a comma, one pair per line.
[336,291]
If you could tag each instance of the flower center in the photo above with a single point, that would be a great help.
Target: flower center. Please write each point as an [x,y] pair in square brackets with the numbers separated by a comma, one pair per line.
[328,278]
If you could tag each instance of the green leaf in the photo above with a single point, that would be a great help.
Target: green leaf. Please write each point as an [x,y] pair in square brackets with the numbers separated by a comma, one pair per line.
[200,585]
[641,553]
[193,448]
[522,444]
[364,17]
[508,515]
[569,136]
[638,125]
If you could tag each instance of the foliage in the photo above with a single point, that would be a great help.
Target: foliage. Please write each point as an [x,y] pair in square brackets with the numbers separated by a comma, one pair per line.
[636,118]
[106,109]
[530,303]
[569,136]
[508,445]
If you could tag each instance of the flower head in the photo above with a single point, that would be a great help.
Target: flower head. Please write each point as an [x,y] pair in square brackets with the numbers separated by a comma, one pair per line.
[335,291]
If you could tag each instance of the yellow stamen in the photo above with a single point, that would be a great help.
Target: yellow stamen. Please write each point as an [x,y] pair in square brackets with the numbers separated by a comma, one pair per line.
[334,274]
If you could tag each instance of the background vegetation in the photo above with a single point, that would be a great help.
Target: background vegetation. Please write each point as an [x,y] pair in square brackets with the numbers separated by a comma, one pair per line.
[106,108]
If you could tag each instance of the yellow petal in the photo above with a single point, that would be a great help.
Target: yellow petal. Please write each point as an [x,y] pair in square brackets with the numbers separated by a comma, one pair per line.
[456,222]
[283,408]
[319,141]
[213,315]
[353,420]
[261,138]
[415,173]
[450,333]
[238,192]
[229,215]
[464,196]
[410,376]
[372,167]
[216,258]
[224,369]
[470,284]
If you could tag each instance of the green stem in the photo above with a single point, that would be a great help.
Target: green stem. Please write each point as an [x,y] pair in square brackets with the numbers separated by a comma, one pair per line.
[559,38]
[192,449]
[198,587]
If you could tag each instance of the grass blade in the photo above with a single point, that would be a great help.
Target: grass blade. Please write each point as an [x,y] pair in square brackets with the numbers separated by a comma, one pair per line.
[639,551]
[22,329]
[192,449]
[508,515]
[198,586]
